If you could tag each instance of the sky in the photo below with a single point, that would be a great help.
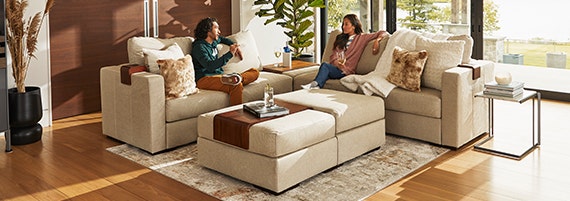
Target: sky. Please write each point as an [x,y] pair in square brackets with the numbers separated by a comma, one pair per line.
[525,19]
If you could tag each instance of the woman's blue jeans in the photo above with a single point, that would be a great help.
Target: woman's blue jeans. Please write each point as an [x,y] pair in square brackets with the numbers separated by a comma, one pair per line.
[328,71]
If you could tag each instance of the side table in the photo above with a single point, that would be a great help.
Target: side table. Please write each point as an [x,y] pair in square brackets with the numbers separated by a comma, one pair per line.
[527,95]
[295,64]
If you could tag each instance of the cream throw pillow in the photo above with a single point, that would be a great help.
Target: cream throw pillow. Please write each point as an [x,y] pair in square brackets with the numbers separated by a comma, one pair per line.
[179,80]
[407,67]
[249,52]
[467,49]
[136,44]
[151,56]
[442,56]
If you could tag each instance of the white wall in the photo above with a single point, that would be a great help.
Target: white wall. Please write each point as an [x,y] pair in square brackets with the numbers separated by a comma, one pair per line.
[267,37]
[39,70]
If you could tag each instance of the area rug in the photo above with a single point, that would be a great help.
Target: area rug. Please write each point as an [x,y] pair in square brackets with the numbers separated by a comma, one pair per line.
[354,180]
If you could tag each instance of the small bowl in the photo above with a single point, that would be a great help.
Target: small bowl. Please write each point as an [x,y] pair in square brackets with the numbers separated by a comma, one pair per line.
[503,78]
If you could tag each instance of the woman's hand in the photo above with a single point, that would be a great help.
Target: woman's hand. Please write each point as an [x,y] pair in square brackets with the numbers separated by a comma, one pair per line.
[376,46]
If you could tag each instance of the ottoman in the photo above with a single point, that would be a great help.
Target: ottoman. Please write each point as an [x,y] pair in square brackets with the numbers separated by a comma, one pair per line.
[287,150]
[282,152]
[359,119]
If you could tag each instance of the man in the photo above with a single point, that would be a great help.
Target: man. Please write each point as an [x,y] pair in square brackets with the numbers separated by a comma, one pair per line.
[208,67]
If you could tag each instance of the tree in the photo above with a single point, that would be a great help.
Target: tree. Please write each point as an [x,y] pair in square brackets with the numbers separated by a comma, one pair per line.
[490,17]
[420,12]
[337,9]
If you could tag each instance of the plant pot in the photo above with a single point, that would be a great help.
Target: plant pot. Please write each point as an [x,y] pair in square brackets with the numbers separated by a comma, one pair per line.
[25,112]
[305,57]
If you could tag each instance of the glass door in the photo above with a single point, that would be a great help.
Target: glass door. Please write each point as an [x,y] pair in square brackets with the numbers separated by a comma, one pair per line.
[527,32]
[434,16]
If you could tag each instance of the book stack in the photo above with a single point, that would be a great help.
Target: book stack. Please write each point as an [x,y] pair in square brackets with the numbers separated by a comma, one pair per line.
[260,111]
[511,90]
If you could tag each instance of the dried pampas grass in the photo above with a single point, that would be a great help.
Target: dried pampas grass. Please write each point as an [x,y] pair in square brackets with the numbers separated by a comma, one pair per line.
[22,37]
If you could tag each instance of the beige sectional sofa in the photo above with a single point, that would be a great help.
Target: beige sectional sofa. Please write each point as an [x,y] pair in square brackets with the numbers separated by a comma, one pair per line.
[140,115]
[450,116]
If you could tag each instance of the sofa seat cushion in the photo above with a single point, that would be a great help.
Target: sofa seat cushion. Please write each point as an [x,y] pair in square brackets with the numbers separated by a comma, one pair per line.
[424,103]
[208,100]
[280,136]
[187,107]
[280,83]
[350,110]
[310,76]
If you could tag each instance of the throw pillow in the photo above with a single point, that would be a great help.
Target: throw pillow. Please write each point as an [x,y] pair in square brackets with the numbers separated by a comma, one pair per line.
[467,49]
[407,67]
[151,56]
[249,52]
[136,44]
[179,80]
[442,56]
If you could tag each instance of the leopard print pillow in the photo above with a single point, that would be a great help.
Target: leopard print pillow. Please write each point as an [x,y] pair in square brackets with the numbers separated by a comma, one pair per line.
[407,67]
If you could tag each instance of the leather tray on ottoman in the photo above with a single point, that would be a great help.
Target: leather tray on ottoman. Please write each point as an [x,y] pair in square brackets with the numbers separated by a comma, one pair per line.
[282,151]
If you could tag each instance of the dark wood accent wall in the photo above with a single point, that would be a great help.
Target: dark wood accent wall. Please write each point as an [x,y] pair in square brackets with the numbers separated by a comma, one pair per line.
[88,35]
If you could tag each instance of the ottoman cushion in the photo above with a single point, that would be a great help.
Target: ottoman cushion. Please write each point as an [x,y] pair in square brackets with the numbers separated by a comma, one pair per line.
[349,109]
[279,136]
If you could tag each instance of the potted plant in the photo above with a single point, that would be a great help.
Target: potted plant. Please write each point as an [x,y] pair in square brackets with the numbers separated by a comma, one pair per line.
[24,101]
[294,17]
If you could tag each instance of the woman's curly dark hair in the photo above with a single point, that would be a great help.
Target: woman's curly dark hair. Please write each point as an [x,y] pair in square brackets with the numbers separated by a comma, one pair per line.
[203,27]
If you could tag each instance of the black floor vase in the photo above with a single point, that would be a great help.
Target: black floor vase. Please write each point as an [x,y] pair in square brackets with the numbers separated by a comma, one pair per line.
[25,112]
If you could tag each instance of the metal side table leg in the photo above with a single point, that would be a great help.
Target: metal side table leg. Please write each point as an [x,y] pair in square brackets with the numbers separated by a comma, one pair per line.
[8,137]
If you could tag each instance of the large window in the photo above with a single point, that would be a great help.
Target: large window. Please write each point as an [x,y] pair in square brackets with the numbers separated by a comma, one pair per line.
[528,32]
[369,12]
[434,16]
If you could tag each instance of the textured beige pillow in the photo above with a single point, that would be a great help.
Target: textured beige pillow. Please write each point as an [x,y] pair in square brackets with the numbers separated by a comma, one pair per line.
[407,67]
[179,80]
[136,44]
[249,52]
[442,56]
[467,49]
[151,56]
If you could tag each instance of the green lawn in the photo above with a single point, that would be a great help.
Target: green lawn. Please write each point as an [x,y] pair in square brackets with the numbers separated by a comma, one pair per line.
[535,54]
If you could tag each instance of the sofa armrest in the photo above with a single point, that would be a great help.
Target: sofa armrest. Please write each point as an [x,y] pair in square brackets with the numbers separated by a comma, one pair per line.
[134,113]
[464,116]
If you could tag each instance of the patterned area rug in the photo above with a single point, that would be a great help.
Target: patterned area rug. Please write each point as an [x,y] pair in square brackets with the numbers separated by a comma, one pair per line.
[354,180]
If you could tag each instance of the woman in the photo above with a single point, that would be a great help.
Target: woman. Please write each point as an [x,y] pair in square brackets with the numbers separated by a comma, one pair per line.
[350,44]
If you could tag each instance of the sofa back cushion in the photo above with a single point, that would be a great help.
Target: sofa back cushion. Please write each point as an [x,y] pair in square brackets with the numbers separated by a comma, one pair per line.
[330,42]
[367,62]
[443,55]
[151,56]
[467,48]
[249,52]
[136,44]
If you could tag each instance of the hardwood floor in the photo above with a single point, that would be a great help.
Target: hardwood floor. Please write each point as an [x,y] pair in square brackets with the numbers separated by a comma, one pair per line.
[71,163]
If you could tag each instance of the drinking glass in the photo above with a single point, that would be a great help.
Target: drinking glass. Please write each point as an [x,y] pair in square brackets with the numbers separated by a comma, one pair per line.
[268,97]
[341,57]
[277,52]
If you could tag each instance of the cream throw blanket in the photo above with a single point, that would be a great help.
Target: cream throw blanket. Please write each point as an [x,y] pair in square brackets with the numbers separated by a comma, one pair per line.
[375,82]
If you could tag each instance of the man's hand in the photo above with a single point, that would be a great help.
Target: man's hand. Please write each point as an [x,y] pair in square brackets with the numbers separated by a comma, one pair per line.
[236,51]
